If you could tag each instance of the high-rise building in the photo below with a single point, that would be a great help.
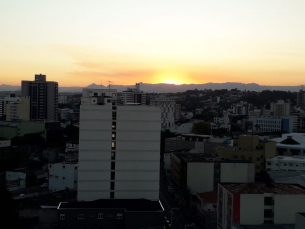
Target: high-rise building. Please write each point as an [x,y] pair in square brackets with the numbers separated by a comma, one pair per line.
[134,95]
[43,97]
[301,98]
[11,97]
[280,108]
[119,148]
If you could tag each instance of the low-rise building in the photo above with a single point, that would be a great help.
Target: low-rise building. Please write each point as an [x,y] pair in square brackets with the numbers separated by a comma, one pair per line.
[221,122]
[258,204]
[274,123]
[15,180]
[201,174]
[18,110]
[63,176]
[249,148]
[111,213]
[292,144]
[286,163]
[207,202]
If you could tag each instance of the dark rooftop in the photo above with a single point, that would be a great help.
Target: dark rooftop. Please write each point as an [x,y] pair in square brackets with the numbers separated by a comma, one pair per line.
[261,188]
[127,204]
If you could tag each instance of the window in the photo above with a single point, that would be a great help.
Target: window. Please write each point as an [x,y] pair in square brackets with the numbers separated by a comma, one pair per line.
[100,216]
[112,186]
[112,165]
[268,201]
[119,216]
[113,135]
[258,158]
[112,175]
[81,216]
[113,155]
[62,216]
[113,103]
[63,178]
[113,94]
[64,167]
[114,125]
[112,145]
[268,213]
[114,115]
[111,195]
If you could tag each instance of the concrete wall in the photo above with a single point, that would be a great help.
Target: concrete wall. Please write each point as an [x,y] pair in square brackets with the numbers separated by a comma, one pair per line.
[251,209]
[237,172]
[200,176]
[137,152]
[286,206]
[62,176]
[299,221]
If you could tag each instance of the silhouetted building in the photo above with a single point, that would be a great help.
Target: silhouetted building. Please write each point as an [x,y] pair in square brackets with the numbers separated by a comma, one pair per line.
[43,97]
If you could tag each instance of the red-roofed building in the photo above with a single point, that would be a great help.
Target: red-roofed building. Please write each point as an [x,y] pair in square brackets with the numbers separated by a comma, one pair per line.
[207,201]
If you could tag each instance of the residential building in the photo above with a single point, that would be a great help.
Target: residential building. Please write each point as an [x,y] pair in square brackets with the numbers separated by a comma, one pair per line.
[202,174]
[15,180]
[221,122]
[301,98]
[270,204]
[111,213]
[12,129]
[11,97]
[18,110]
[63,176]
[43,97]
[241,108]
[286,163]
[201,143]
[254,113]
[167,107]
[299,220]
[119,148]
[207,202]
[63,113]
[62,99]
[5,144]
[134,95]
[290,144]
[251,149]
[177,111]
[281,108]
[273,123]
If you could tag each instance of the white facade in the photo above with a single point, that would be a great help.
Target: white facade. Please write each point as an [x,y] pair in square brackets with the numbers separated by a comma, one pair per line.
[290,149]
[62,176]
[223,122]
[273,123]
[167,112]
[281,108]
[5,100]
[18,110]
[278,205]
[5,142]
[119,149]
[282,163]
[203,176]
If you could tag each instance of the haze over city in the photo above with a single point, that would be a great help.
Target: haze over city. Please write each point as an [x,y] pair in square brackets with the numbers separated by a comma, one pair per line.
[77,43]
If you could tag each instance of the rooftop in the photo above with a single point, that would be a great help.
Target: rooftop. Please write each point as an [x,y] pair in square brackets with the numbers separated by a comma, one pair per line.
[127,204]
[208,197]
[287,158]
[261,188]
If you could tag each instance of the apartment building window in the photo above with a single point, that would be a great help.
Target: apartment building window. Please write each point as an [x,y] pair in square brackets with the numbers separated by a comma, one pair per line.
[258,159]
[111,186]
[100,216]
[114,125]
[64,167]
[113,103]
[268,213]
[112,145]
[81,216]
[119,216]
[114,115]
[268,201]
[112,165]
[113,155]
[62,216]
[113,135]
[111,195]
[112,175]
[113,94]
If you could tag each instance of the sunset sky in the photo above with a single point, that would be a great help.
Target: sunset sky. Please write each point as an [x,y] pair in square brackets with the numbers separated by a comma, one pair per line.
[77,43]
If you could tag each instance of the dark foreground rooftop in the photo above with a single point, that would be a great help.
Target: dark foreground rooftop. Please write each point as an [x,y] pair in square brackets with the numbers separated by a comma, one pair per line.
[127,204]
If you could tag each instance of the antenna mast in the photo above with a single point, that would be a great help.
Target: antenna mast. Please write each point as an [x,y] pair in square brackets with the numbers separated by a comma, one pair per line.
[109,84]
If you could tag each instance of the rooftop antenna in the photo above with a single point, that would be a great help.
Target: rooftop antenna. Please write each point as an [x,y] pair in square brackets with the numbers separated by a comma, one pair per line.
[109,84]
[101,84]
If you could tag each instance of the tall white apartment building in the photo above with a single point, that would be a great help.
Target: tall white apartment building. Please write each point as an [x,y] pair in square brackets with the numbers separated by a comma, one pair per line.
[134,95]
[119,148]
[280,108]
[167,112]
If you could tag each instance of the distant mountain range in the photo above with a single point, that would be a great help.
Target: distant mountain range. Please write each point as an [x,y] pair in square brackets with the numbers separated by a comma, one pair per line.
[163,88]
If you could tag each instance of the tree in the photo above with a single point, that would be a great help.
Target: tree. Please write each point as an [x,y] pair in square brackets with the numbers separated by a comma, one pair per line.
[201,128]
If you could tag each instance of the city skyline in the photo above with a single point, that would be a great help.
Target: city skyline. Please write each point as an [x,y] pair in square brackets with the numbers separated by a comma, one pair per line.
[79,43]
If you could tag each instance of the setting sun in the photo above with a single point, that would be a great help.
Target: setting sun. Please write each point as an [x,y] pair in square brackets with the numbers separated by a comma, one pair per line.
[172,81]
